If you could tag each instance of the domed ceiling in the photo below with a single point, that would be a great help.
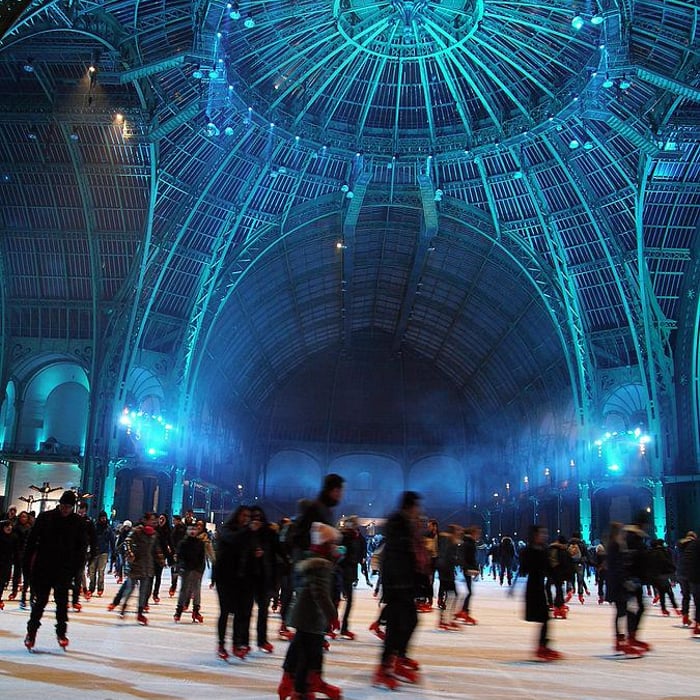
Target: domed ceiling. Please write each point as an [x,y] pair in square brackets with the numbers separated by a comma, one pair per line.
[414,73]
[509,190]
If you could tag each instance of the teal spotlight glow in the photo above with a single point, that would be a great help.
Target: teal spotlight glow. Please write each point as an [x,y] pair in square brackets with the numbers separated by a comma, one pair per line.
[577,22]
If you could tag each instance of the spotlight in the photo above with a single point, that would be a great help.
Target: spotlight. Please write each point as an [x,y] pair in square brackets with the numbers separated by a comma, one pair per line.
[608,82]
[625,83]
[73,136]
[212,129]
[198,74]
[28,66]
[438,195]
[249,22]
[235,12]
[213,74]
[32,135]
[345,188]
[228,131]
[349,195]
[597,19]
[574,144]
[577,22]
[588,145]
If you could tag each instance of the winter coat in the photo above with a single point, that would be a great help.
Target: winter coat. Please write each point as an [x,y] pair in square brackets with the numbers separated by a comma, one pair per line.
[9,547]
[635,556]
[448,558]
[560,564]
[660,565]
[56,547]
[400,558]
[142,549]
[355,548]
[615,574]
[469,561]
[191,555]
[104,536]
[534,564]
[313,609]
[685,557]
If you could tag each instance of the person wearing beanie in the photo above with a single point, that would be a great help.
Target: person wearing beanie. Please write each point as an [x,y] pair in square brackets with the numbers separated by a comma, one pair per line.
[312,612]
[142,551]
[55,548]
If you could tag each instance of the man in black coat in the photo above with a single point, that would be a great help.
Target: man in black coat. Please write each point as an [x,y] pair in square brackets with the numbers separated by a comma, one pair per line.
[56,548]
[405,559]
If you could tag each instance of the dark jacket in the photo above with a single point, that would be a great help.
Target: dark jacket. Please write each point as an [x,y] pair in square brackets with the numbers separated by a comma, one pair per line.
[400,561]
[534,564]
[191,554]
[56,547]
[560,564]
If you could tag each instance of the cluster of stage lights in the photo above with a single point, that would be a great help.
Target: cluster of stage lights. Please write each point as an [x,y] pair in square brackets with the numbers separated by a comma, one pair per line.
[152,431]
[615,445]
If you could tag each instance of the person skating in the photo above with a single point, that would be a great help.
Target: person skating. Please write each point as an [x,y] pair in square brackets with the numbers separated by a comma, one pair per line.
[535,565]
[55,550]
[312,612]
[470,568]
[405,559]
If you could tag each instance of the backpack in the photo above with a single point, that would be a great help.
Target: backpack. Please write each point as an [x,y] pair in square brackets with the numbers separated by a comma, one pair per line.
[574,551]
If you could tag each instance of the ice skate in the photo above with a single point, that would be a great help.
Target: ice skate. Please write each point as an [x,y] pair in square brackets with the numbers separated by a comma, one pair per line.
[376,630]
[316,684]
[383,679]
[285,689]
[62,641]
[30,639]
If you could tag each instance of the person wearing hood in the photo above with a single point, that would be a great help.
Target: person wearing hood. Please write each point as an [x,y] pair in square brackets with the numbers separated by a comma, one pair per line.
[55,549]
[313,610]
[142,549]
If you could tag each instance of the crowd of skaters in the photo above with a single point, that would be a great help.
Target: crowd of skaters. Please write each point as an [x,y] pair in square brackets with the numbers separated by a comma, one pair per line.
[306,568]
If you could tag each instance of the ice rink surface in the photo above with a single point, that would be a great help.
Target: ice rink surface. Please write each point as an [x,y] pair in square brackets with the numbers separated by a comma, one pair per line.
[114,659]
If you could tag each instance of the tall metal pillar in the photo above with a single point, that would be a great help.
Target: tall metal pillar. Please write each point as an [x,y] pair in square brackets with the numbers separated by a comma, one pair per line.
[109,486]
[178,473]
[584,500]
[658,501]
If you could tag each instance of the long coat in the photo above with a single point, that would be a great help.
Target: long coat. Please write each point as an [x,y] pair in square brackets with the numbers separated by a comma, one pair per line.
[534,564]
[56,547]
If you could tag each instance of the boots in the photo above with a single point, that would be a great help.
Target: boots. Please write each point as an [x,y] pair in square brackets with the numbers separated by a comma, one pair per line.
[546,654]
[316,684]
[404,670]
[622,646]
[383,679]
[286,687]
[178,613]
[378,632]
[30,639]
[638,643]
[196,617]
[696,630]
[560,613]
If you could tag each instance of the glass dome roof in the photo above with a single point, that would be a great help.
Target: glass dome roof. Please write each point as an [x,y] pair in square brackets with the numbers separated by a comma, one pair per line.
[409,74]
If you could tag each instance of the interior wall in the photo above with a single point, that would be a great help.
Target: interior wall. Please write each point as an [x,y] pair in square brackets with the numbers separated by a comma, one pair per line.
[56,475]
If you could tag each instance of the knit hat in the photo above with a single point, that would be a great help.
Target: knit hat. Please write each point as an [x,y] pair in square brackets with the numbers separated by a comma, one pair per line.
[323,534]
[127,523]
[68,498]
